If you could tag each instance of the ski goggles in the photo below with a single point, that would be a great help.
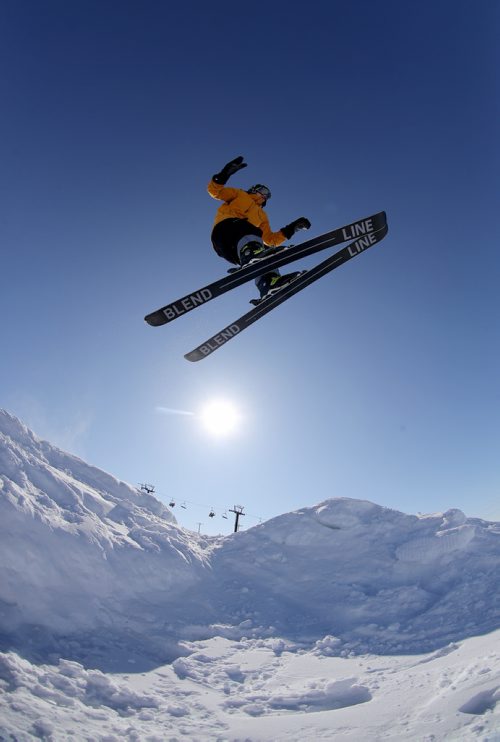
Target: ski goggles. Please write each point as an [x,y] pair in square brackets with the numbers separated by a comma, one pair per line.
[262,189]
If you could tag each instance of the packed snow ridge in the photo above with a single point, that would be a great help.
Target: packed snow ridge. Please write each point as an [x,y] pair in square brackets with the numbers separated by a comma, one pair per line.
[94,571]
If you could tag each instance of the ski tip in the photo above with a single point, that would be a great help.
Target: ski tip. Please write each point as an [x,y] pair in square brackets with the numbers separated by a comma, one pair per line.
[155,319]
[193,356]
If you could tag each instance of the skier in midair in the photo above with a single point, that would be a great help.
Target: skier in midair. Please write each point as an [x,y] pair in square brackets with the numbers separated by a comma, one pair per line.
[242,231]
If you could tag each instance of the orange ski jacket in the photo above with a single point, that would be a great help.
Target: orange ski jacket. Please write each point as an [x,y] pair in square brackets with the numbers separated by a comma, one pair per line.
[239,204]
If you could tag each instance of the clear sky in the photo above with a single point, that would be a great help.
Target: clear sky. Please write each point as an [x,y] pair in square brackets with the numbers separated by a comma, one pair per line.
[381,381]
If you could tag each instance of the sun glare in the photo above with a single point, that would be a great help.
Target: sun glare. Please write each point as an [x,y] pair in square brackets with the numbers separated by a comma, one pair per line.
[220,417]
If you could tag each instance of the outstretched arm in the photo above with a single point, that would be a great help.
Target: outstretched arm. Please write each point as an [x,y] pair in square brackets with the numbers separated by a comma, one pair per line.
[275,239]
[221,192]
[300,223]
[216,186]
[229,169]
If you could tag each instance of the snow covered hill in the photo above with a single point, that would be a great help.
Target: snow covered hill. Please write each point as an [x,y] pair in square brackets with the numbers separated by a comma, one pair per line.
[88,562]
[98,577]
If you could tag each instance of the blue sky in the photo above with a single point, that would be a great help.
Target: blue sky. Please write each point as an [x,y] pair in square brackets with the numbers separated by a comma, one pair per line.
[382,381]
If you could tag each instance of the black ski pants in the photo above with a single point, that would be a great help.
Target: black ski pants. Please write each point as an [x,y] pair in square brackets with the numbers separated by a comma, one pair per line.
[230,235]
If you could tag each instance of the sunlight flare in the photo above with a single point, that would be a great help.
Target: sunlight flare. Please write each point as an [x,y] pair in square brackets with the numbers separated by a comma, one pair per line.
[220,417]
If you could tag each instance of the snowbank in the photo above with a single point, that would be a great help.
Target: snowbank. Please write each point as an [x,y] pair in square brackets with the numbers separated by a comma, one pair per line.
[96,572]
[275,633]
[88,562]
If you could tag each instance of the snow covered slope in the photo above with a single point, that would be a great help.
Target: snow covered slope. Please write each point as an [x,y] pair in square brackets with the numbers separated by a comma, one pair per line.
[261,690]
[89,563]
[259,629]
[379,580]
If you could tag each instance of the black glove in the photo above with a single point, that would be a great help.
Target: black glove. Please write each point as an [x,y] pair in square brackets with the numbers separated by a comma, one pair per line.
[300,223]
[230,169]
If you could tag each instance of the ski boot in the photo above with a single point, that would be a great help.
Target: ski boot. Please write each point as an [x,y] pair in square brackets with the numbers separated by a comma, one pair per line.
[254,252]
[251,253]
[271,283]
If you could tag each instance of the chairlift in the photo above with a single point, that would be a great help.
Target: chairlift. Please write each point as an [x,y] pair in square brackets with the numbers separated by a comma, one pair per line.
[224,515]
[184,505]
[172,503]
[211,513]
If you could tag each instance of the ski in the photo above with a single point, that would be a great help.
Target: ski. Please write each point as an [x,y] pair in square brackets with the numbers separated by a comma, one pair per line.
[277,259]
[266,305]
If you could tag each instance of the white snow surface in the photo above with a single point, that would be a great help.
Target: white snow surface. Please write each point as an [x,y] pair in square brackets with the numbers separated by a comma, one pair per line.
[344,621]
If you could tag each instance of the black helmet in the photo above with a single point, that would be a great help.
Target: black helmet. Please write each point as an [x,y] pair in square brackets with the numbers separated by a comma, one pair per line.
[262,189]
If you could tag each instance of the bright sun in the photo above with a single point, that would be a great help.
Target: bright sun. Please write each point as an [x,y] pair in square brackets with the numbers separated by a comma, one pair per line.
[220,417]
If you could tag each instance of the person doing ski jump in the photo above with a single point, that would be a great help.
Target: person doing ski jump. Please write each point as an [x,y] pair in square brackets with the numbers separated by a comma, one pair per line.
[242,232]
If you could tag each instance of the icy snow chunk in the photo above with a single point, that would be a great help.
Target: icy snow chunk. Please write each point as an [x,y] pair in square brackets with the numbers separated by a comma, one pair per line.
[183,669]
[482,702]
[343,512]
[430,548]
[327,647]
[69,682]
[43,730]
[334,694]
[101,691]
[454,518]
[13,670]
[443,652]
